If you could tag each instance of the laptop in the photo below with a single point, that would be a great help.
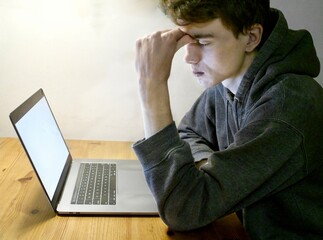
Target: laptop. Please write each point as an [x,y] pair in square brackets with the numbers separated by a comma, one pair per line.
[78,186]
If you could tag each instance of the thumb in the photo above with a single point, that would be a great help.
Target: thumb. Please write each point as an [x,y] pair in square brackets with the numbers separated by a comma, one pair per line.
[186,39]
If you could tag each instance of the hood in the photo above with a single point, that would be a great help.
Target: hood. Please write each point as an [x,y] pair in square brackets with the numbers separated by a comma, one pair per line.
[285,51]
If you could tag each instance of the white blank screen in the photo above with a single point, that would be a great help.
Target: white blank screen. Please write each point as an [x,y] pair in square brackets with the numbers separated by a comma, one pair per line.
[44,144]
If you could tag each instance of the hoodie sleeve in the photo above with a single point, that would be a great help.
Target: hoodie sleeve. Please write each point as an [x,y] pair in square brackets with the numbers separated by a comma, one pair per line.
[189,198]
[197,127]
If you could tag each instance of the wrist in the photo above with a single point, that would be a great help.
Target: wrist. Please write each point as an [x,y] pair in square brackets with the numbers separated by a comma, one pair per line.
[156,111]
[154,97]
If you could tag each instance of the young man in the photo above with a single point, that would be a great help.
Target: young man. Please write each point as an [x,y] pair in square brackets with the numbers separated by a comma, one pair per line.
[252,142]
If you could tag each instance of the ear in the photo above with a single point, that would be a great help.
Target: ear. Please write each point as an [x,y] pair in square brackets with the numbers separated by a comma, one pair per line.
[254,37]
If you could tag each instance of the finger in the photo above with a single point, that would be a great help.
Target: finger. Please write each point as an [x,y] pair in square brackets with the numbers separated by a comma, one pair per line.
[174,33]
[181,38]
[165,31]
[186,39]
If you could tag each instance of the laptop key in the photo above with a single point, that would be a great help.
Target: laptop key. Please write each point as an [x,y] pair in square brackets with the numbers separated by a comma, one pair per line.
[96,184]
[77,186]
[113,176]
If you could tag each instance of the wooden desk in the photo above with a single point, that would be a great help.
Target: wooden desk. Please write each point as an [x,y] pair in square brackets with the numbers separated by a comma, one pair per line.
[26,214]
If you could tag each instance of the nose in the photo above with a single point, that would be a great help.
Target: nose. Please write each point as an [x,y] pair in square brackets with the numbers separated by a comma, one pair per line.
[193,54]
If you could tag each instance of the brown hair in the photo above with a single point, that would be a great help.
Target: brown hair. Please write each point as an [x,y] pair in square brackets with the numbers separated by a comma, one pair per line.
[236,15]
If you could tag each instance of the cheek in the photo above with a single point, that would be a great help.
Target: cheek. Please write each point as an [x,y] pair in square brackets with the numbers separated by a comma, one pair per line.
[217,61]
[225,61]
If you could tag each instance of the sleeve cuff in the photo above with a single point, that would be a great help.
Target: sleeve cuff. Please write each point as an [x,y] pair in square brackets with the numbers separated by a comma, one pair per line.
[153,150]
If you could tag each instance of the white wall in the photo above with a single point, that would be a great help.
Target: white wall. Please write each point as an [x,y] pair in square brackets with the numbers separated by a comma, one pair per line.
[81,52]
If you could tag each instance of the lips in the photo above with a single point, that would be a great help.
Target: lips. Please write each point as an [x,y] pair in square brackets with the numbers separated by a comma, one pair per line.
[198,73]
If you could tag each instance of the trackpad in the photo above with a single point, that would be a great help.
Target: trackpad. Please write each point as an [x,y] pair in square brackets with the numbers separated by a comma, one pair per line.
[132,182]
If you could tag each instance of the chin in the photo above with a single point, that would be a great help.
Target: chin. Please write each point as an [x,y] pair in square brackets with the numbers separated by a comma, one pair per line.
[206,83]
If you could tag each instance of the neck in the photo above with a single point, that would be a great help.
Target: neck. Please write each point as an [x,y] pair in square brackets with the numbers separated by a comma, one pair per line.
[233,83]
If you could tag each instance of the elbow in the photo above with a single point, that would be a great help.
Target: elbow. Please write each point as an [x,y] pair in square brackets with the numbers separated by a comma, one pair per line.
[183,219]
[176,223]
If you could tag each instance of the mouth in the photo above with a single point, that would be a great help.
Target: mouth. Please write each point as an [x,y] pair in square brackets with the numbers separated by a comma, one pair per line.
[198,73]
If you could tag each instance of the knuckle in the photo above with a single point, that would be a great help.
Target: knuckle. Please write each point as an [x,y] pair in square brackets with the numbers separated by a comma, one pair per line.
[138,42]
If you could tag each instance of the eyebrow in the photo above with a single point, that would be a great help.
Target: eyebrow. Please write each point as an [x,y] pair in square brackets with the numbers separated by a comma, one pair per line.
[202,35]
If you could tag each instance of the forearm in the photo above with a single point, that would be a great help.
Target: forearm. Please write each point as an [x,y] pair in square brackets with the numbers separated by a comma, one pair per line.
[153,63]
[168,164]
[156,111]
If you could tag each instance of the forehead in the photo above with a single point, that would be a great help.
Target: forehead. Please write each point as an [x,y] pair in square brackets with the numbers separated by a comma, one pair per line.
[209,29]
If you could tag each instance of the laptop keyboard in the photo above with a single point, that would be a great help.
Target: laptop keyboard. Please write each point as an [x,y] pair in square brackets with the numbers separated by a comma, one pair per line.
[95,184]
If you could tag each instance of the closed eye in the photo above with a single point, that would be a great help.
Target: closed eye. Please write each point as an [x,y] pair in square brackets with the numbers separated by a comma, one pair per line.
[203,43]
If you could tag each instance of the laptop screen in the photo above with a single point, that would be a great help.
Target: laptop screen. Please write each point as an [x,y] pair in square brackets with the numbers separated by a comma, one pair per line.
[44,143]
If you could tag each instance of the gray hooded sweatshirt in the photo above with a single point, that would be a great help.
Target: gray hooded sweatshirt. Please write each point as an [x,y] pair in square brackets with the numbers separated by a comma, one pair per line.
[263,146]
